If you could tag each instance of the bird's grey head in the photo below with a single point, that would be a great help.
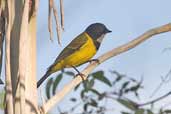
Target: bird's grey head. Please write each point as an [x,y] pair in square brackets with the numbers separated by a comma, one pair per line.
[97,31]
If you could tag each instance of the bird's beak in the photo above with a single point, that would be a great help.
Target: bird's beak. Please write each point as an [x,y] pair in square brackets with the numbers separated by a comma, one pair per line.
[108,31]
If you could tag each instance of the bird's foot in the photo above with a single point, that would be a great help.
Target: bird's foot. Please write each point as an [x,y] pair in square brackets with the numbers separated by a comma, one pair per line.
[83,76]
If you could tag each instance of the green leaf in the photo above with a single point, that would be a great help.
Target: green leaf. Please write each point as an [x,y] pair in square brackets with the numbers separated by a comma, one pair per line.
[161,111]
[139,111]
[167,111]
[2,98]
[118,78]
[128,104]
[99,75]
[125,84]
[135,88]
[82,93]
[69,73]
[149,112]
[85,106]
[100,95]
[88,84]
[95,92]
[125,113]
[48,87]
[56,83]
[91,83]
[93,103]
[73,99]
[76,87]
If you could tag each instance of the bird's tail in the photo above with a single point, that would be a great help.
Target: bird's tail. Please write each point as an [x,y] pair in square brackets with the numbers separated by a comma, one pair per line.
[48,73]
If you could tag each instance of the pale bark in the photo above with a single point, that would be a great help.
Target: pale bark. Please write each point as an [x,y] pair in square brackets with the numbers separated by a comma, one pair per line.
[8,88]
[24,66]
[23,58]
[31,83]
[2,33]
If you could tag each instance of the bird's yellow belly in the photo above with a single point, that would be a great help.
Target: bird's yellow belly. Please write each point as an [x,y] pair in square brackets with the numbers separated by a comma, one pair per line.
[85,53]
[81,56]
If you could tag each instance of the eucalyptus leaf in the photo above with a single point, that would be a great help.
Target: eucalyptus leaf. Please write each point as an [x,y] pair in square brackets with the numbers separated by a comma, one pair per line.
[149,112]
[69,73]
[128,104]
[2,98]
[99,75]
[139,111]
[56,83]
[48,87]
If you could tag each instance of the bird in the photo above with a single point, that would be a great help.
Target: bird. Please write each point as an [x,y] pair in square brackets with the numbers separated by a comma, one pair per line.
[79,51]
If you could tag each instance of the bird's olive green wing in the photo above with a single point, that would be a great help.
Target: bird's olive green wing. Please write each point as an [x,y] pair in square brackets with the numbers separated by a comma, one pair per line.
[75,45]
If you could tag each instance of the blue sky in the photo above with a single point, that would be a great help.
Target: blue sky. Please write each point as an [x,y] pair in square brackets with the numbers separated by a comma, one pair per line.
[127,19]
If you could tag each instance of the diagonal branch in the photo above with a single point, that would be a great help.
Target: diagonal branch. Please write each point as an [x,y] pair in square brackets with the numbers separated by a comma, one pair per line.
[114,52]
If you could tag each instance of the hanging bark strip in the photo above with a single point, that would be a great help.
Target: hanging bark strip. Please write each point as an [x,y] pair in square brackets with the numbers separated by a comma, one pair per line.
[62,14]
[23,55]
[58,27]
[50,20]
[2,34]
[9,98]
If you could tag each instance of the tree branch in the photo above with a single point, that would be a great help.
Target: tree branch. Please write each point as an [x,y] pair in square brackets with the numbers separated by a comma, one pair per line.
[114,52]
[164,80]
[155,100]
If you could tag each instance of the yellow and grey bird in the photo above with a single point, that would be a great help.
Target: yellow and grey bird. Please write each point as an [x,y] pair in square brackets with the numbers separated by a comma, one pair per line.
[79,51]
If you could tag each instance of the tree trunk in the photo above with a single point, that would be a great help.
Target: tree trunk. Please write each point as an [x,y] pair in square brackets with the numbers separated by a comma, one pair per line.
[23,59]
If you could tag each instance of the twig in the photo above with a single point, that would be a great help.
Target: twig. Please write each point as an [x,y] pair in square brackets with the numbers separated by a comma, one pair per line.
[155,100]
[114,52]
[8,87]
[166,49]
[62,13]
[164,80]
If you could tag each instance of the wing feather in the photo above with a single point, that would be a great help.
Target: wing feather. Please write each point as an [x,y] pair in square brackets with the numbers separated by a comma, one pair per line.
[75,45]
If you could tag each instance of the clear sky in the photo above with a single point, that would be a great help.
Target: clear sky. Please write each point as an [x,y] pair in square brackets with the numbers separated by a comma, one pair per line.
[127,19]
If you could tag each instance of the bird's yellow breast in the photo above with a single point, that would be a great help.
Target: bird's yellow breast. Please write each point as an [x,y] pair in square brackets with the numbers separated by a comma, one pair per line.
[82,55]
[85,53]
